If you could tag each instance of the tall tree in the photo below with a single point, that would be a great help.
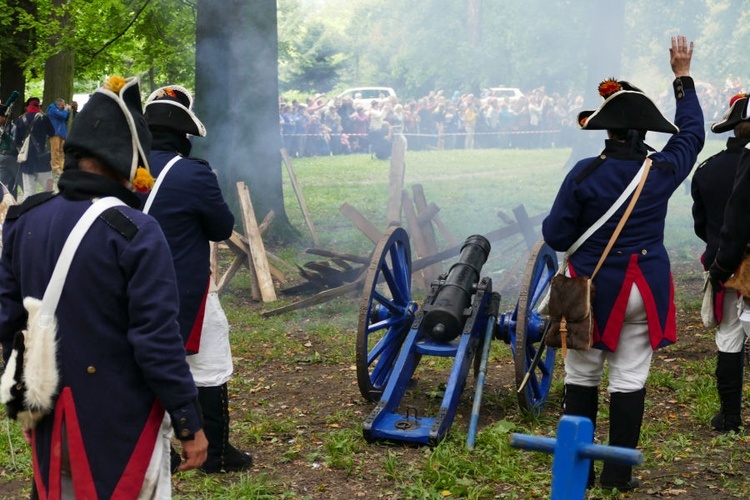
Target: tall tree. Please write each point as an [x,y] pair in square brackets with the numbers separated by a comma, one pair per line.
[59,68]
[237,98]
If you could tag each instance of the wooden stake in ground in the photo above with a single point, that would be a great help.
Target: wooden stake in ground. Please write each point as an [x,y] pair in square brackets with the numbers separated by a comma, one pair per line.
[298,192]
[255,243]
[396,180]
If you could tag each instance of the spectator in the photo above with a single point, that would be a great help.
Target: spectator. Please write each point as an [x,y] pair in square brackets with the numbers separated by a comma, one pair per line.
[58,113]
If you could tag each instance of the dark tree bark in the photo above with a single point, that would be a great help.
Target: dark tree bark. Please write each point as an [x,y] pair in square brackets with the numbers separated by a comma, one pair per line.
[605,60]
[236,83]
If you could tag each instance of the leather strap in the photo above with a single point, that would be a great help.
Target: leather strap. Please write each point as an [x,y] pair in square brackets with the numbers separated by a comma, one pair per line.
[55,286]
[157,184]
[628,210]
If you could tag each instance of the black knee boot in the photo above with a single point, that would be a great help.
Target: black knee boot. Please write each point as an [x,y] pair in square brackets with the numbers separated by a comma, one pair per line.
[222,456]
[729,367]
[625,418]
[583,401]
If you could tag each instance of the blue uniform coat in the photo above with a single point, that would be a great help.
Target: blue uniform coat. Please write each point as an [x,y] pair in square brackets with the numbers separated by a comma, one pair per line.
[120,355]
[191,211]
[638,256]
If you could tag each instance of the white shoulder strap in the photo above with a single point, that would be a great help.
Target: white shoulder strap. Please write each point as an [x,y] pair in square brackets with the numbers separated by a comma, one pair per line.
[157,184]
[608,214]
[55,286]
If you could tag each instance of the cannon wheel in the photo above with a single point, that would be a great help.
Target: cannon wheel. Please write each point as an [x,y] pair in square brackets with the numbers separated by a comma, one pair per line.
[530,326]
[386,312]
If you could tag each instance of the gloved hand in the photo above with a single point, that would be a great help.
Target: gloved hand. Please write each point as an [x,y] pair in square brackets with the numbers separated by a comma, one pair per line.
[717,276]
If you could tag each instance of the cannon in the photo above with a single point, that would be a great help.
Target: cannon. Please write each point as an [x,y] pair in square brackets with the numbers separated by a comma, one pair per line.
[458,318]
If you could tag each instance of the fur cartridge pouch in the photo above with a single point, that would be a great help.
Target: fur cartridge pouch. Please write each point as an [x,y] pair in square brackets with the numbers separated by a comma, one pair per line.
[30,382]
[570,311]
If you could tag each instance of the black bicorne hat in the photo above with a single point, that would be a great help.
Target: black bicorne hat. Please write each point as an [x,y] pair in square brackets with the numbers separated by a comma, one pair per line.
[736,113]
[112,127]
[625,107]
[171,107]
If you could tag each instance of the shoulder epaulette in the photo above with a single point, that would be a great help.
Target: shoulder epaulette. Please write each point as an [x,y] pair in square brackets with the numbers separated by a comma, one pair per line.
[590,168]
[703,163]
[199,160]
[15,211]
[120,223]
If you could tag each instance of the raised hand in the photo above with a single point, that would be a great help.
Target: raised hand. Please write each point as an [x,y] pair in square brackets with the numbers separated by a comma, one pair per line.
[680,55]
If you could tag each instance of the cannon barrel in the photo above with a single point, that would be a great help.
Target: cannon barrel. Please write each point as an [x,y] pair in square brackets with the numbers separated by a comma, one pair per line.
[444,318]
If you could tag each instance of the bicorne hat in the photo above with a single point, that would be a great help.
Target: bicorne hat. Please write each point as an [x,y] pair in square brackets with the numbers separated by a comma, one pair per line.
[171,107]
[112,127]
[625,107]
[736,113]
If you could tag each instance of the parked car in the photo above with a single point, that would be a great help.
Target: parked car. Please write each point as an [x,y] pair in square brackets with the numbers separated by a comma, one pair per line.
[363,96]
[511,93]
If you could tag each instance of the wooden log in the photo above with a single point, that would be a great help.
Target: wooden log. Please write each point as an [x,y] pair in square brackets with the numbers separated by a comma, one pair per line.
[419,243]
[427,216]
[229,273]
[421,203]
[527,228]
[267,220]
[257,253]
[319,298]
[336,255]
[359,220]
[298,193]
[396,180]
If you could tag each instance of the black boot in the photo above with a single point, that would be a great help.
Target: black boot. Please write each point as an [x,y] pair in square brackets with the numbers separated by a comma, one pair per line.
[729,367]
[625,418]
[222,456]
[583,401]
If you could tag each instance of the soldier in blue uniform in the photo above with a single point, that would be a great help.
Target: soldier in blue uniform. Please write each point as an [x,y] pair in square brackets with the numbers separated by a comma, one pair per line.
[121,362]
[189,206]
[711,188]
[634,311]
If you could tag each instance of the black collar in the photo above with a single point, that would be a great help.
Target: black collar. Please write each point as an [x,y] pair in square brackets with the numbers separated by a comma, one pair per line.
[77,185]
[621,151]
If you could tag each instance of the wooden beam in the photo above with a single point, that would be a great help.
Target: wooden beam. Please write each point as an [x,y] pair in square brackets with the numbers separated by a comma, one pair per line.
[298,193]
[423,209]
[319,298]
[345,256]
[396,180]
[361,222]
[527,228]
[257,253]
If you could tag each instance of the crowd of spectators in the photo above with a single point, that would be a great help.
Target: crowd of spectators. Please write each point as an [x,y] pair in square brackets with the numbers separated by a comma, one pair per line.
[538,119]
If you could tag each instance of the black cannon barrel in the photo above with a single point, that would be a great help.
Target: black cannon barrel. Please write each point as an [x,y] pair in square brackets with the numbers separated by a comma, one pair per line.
[444,318]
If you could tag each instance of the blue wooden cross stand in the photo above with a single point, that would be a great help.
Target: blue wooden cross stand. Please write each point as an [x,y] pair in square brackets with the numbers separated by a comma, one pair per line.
[573,451]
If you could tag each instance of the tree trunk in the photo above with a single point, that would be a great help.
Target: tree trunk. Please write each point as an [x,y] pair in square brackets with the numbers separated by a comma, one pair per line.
[59,69]
[236,83]
[605,60]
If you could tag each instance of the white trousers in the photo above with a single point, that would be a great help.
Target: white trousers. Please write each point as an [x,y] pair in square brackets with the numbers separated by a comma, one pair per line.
[212,365]
[630,363]
[30,182]
[735,323]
